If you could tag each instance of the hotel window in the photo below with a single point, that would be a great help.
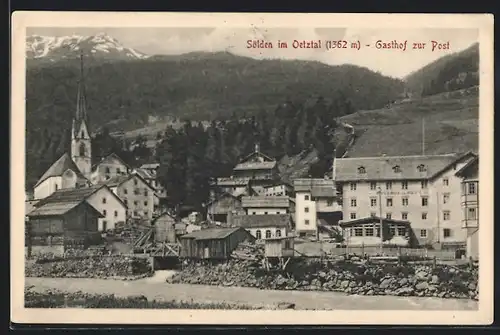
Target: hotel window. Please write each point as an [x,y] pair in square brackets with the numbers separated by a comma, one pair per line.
[404,185]
[369,231]
[423,232]
[353,186]
[471,214]
[278,233]
[404,216]
[353,216]
[446,232]
[103,200]
[424,216]
[446,198]
[446,215]
[306,197]
[373,202]
[421,168]
[373,186]
[389,202]
[425,201]
[401,231]
[268,233]
[405,201]
[392,231]
[116,214]
[388,185]
[445,181]
[472,188]
[372,214]
[423,183]
[306,209]
[396,169]
[104,212]
[358,231]
[361,170]
[258,235]
[388,216]
[306,222]
[353,202]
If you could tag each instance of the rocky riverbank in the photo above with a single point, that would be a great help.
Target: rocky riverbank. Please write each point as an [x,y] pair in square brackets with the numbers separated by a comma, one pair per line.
[362,278]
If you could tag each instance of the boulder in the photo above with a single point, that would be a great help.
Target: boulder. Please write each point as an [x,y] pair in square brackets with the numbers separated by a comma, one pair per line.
[422,286]
[434,279]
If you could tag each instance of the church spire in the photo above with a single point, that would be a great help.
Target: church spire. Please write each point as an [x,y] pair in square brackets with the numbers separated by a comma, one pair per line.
[81,102]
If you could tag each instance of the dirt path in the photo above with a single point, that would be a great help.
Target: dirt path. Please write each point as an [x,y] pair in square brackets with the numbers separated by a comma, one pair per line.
[250,296]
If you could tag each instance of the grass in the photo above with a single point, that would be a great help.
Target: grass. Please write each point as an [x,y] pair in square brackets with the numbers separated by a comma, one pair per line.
[51,299]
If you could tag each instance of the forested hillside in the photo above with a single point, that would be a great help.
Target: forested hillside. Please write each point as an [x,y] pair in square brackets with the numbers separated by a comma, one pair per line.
[449,73]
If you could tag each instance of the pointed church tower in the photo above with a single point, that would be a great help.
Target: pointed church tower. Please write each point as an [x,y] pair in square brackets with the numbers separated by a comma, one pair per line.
[80,133]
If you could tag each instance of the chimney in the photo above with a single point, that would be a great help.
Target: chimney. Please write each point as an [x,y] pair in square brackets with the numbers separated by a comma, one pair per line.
[257,147]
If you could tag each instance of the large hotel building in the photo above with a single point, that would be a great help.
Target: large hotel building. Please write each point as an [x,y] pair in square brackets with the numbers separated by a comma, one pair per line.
[418,199]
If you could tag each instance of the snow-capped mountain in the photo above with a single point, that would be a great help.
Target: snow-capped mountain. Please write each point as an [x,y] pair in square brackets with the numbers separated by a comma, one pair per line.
[61,47]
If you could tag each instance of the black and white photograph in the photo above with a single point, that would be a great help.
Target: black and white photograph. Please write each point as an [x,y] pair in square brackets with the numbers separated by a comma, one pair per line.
[250,162]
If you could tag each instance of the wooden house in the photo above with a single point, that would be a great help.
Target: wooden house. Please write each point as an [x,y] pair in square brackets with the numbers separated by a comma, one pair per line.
[279,247]
[164,228]
[226,204]
[215,243]
[58,226]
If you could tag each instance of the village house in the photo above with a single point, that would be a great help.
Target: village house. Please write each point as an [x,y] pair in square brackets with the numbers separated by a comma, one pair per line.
[56,227]
[264,205]
[101,198]
[149,172]
[224,205]
[421,190]
[279,189]
[213,243]
[315,199]
[264,226]
[136,193]
[109,167]
[469,174]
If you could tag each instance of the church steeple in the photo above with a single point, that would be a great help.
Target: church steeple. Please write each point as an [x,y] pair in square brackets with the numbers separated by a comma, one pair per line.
[80,140]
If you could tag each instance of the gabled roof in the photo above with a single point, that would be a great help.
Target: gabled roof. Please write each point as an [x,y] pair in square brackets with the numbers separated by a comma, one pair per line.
[459,159]
[111,155]
[255,166]
[150,166]
[211,233]
[60,166]
[145,173]
[222,195]
[118,180]
[262,221]
[464,170]
[317,186]
[75,195]
[61,208]
[266,201]
[385,168]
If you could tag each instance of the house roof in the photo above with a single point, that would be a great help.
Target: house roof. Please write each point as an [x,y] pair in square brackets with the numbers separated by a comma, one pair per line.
[145,173]
[317,186]
[60,166]
[29,206]
[229,181]
[75,194]
[372,219]
[463,171]
[262,221]
[266,201]
[211,233]
[383,168]
[255,166]
[109,156]
[118,180]
[150,166]
[60,208]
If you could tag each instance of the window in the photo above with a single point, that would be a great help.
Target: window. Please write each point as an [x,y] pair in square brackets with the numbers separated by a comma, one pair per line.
[125,201]
[306,210]
[445,182]
[353,186]
[82,149]
[104,212]
[377,231]
[306,222]
[392,231]
[369,231]
[396,169]
[421,168]
[258,235]
[287,244]
[388,185]
[145,213]
[472,188]
[405,201]
[423,184]
[104,225]
[82,135]
[361,170]
[306,197]
[146,193]
[136,191]
[373,202]
[388,216]
[401,231]
[446,215]
[404,216]
[404,185]
[118,171]
[116,214]
[136,213]
[103,200]
[145,203]
[424,216]
[446,198]
[353,216]
[372,214]
[446,232]
[268,233]
[278,233]
[353,202]
[135,182]
[471,214]
[253,213]
[265,213]
[57,187]
[278,212]
[373,186]
[135,203]
[125,191]
[107,170]
[423,232]
[389,202]
[358,231]
[329,202]
[425,201]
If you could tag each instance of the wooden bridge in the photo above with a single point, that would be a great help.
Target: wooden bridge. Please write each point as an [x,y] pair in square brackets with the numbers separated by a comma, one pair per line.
[145,244]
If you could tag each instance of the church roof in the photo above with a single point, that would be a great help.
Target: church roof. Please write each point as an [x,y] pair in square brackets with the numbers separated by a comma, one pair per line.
[59,167]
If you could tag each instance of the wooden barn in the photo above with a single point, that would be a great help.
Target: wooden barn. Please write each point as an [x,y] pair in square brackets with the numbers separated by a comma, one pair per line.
[215,243]
[164,228]
[279,247]
[226,204]
[58,226]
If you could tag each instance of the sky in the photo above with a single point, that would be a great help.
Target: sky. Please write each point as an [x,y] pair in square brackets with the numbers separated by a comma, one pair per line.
[390,62]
